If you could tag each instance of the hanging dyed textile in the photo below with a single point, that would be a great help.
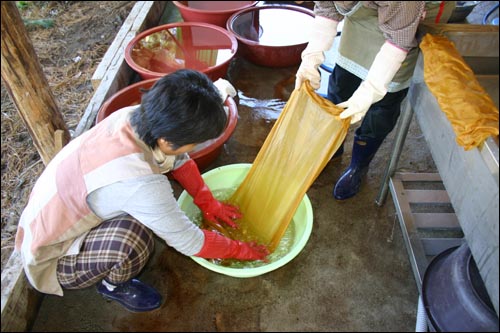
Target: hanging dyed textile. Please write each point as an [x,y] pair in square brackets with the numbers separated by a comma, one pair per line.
[302,141]
[470,110]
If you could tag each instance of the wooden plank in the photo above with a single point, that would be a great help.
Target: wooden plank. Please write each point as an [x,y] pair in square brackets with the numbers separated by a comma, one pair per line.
[436,220]
[434,246]
[115,74]
[427,196]
[20,302]
[30,92]
[28,86]
[117,47]
[59,141]
[414,247]
[418,246]
[418,177]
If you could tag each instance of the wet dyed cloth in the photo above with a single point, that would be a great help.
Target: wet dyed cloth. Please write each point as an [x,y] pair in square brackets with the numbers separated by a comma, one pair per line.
[300,144]
[470,110]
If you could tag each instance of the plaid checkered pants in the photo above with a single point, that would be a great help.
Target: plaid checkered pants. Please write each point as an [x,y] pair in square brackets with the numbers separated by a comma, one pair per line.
[116,250]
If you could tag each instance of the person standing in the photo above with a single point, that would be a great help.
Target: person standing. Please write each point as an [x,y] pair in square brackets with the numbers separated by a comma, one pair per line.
[375,62]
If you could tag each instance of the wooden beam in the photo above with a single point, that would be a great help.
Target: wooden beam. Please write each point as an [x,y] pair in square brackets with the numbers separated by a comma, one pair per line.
[31,94]
[20,301]
[113,73]
[27,85]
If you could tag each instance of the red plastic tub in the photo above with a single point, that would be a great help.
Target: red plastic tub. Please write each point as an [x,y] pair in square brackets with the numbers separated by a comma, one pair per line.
[205,153]
[164,49]
[272,35]
[213,12]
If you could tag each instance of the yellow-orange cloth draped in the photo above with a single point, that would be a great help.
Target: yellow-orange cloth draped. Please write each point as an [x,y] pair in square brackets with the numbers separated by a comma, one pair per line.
[302,141]
[470,110]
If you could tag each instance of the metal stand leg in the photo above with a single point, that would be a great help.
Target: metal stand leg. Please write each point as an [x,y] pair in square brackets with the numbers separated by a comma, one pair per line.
[399,140]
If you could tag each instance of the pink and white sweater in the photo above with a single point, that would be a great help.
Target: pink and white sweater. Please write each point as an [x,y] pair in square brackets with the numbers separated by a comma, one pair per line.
[101,174]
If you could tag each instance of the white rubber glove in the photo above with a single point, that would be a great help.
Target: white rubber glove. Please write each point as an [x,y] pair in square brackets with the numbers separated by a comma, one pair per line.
[225,89]
[386,64]
[322,34]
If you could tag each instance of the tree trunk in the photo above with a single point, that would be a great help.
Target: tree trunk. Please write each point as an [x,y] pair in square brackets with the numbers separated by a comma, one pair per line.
[28,87]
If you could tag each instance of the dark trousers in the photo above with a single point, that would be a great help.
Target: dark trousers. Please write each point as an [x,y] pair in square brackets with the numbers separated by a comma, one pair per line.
[381,117]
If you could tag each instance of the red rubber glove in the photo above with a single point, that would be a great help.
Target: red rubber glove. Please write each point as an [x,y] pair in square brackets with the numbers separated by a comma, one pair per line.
[218,246]
[188,175]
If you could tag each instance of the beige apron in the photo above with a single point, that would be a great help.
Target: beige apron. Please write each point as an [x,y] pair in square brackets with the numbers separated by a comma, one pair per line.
[362,39]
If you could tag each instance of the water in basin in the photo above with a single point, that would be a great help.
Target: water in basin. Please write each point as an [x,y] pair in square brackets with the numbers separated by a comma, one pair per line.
[274,26]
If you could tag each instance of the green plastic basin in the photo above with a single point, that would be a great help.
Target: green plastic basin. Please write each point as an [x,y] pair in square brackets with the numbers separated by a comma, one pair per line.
[232,175]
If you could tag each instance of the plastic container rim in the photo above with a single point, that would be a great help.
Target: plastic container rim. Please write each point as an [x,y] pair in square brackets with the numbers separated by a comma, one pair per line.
[229,24]
[207,11]
[128,50]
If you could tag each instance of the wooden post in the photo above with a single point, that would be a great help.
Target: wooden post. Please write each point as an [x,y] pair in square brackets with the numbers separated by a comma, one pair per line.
[27,85]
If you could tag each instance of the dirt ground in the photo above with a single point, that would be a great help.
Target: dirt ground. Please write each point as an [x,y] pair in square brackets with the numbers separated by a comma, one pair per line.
[69,50]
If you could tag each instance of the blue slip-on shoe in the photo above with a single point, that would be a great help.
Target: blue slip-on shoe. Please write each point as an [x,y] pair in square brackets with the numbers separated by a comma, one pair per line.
[133,295]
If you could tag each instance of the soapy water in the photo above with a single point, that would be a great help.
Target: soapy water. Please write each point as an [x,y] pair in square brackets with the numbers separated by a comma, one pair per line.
[283,248]
[268,109]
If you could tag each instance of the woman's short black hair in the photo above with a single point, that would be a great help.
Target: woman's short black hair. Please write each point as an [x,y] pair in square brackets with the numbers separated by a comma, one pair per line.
[183,107]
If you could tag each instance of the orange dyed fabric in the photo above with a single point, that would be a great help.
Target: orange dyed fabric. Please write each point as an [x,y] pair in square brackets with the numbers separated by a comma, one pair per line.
[470,110]
[304,138]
